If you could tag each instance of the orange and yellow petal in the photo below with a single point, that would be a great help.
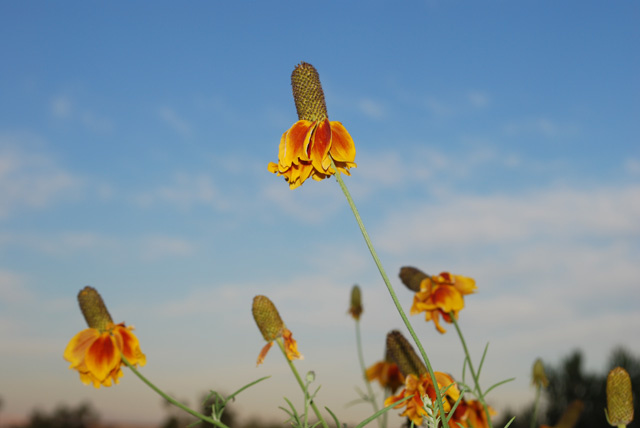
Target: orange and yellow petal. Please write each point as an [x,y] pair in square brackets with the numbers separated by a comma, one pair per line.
[129,344]
[78,345]
[291,346]
[102,357]
[343,148]
[294,143]
[263,353]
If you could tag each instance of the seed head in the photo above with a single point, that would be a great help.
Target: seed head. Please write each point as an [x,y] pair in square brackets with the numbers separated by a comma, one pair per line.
[412,277]
[267,318]
[403,355]
[308,94]
[93,308]
[619,397]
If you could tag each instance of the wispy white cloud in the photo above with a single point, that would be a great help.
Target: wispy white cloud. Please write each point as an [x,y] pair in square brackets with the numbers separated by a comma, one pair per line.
[184,192]
[175,121]
[541,126]
[465,220]
[632,166]
[479,99]
[372,108]
[165,247]
[31,180]
[12,287]
[64,107]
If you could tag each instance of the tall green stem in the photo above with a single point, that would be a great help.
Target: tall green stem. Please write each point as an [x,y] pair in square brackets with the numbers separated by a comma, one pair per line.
[171,399]
[363,368]
[476,381]
[534,416]
[307,397]
[392,292]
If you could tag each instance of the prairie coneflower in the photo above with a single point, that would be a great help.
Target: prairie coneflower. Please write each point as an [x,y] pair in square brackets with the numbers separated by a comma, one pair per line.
[96,352]
[271,326]
[307,148]
[437,296]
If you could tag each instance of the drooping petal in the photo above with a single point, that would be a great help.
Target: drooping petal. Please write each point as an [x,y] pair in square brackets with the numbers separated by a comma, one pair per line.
[291,346]
[77,347]
[129,344]
[464,284]
[343,148]
[320,145]
[102,356]
[296,141]
[263,353]
[446,298]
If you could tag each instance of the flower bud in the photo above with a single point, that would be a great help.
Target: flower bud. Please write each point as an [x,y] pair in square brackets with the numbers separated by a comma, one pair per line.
[403,355]
[267,318]
[356,303]
[619,397]
[412,277]
[308,94]
[539,377]
[93,309]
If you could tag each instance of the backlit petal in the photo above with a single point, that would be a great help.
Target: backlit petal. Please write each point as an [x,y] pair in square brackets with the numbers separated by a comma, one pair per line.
[342,147]
[320,145]
[102,356]
[77,347]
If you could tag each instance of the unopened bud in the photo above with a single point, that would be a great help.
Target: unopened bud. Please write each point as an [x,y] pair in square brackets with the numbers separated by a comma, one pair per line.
[539,377]
[356,303]
[93,309]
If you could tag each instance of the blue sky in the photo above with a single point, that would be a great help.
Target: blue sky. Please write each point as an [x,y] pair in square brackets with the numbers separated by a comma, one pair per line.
[497,140]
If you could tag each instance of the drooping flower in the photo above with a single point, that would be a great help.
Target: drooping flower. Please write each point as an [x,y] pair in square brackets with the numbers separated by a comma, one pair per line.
[355,308]
[271,326]
[96,352]
[307,148]
[475,415]
[437,296]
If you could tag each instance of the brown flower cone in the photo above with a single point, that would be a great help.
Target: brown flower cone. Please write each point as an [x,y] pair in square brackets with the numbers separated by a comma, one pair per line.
[619,397]
[267,318]
[93,308]
[308,94]
[412,277]
[403,355]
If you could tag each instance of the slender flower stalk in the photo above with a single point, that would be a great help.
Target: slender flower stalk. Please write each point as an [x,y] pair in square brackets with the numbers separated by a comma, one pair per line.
[474,374]
[307,397]
[390,288]
[171,399]
[356,311]
[539,379]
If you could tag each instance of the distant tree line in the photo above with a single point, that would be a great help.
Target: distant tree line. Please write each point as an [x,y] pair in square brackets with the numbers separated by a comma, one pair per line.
[568,381]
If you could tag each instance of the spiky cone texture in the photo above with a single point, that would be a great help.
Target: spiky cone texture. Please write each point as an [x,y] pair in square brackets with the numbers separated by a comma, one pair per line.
[619,397]
[402,353]
[412,277]
[93,309]
[267,318]
[308,94]
[539,377]
[355,309]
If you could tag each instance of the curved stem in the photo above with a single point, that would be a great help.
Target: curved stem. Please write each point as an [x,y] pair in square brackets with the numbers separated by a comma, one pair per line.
[479,392]
[171,399]
[364,372]
[307,398]
[392,292]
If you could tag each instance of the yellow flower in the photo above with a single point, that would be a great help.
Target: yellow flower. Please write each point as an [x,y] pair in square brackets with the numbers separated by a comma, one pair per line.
[420,387]
[96,351]
[307,148]
[271,326]
[439,295]
[474,414]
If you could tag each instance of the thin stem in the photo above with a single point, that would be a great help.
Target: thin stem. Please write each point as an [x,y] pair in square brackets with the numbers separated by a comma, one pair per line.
[385,278]
[307,398]
[479,392]
[364,372]
[534,417]
[171,399]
